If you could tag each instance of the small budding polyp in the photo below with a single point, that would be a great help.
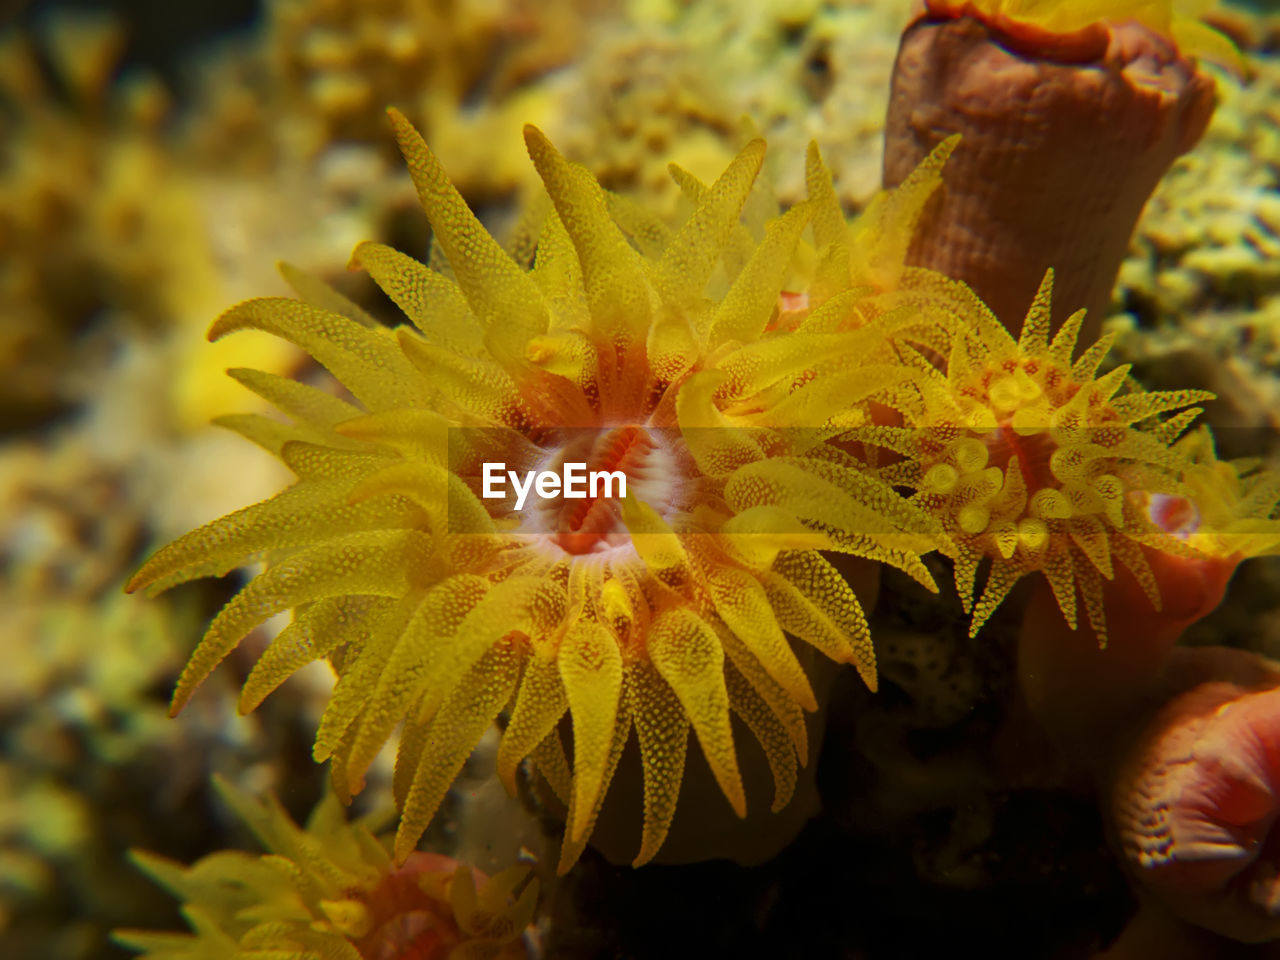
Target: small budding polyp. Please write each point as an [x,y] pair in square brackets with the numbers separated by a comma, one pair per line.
[575,483]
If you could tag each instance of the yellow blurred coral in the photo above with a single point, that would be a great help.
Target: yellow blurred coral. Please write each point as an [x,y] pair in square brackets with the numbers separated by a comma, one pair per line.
[99,216]
[331,891]
[341,61]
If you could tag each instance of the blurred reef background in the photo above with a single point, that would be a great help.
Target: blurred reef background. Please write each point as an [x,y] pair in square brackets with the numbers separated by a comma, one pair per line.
[157,159]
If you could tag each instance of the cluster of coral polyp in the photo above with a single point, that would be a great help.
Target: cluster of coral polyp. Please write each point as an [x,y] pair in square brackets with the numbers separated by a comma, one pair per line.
[776,403]
[1038,463]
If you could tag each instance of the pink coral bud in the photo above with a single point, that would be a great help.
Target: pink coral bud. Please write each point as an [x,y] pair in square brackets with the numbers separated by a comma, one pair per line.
[1193,801]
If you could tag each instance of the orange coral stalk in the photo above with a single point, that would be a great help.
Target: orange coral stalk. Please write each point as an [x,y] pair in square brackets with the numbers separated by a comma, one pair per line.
[1080,691]
[1067,125]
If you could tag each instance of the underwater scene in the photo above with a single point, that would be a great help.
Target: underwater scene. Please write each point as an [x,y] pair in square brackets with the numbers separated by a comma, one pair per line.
[538,479]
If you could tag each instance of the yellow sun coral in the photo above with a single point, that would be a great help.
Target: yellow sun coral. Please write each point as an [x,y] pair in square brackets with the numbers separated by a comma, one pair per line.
[1230,507]
[1033,460]
[332,892]
[656,611]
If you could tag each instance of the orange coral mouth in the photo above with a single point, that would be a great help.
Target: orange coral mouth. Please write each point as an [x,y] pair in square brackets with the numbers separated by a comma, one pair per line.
[1174,515]
[589,525]
[1028,39]
[1034,452]
[412,936]
[407,923]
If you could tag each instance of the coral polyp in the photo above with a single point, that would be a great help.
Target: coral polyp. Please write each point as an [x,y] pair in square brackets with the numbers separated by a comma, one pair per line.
[662,611]
[1032,460]
[332,890]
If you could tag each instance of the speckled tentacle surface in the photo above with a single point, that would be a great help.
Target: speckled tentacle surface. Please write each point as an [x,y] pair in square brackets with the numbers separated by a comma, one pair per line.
[668,608]
[1063,139]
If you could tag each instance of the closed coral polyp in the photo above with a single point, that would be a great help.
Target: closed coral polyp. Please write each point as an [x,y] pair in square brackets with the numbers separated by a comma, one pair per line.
[1194,801]
[1070,113]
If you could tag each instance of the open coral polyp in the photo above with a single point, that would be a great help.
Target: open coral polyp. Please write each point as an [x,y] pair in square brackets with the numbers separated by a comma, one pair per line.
[1033,461]
[654,613]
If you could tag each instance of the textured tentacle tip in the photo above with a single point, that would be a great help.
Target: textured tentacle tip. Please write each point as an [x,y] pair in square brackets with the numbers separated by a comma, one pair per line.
[182,695]
[401,126]
[536,142]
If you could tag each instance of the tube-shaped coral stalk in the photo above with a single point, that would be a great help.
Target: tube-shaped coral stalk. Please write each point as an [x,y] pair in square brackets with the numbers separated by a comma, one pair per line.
[1066,126]
[1080,689]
